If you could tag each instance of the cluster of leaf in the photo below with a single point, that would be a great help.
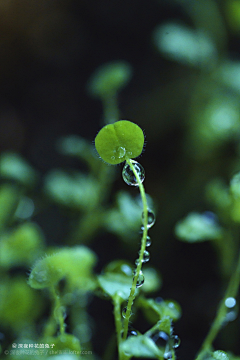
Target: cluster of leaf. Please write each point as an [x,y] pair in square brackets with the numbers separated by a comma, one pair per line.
[22,243]
[66,274]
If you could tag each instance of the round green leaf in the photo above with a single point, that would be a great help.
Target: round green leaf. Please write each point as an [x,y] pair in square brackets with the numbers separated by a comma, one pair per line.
[119,141]
[109,79]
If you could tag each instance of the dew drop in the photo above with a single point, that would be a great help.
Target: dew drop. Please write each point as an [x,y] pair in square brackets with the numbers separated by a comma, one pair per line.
[132,333]
[159,300]
[140,280]
[231,305]
[128,175]
[121,152]
[137,262]
[148,241]
[150,219]
[176,341]
[124,310]
[146,256]
[160,338]
[230,302]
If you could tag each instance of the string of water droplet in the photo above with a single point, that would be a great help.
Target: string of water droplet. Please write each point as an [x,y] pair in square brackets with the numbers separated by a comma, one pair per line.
[133,174]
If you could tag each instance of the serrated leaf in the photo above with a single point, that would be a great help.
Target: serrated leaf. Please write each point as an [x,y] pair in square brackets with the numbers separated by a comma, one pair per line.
[115,284]
[141,346]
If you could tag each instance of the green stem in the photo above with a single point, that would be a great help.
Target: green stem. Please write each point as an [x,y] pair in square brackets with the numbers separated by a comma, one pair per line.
[58,311]
[56,317]
[141,253]
[117,317]
[220,318]
[110,109]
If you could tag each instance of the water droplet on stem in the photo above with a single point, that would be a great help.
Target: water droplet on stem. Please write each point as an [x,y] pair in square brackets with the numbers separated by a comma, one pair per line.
[231,305]
[176,341]
[150,219]
[128,175]
[140,280]
[148,241]
[146,256]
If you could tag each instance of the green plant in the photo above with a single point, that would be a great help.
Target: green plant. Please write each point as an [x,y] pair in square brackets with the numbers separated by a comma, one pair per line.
[63,278]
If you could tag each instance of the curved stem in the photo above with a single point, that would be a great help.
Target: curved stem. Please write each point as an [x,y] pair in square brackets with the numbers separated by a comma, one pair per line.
[141,254]
[220,318]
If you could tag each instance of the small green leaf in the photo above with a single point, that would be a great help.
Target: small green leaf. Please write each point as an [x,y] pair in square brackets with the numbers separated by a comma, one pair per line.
[115,284]
[198,227]
[13,166]
[109,79]
[235,186]
[21,246]
[184,44]
[220,355]
[157,309]
[9,200]
[152,281]
[63,342]
[128,212]
[75,264]
[141,346]
[118,141]
[75,190]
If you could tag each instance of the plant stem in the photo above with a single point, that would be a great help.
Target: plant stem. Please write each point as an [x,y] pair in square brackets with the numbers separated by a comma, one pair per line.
[117,316]
[141,254]
[220,318]
[58,311]
[110,108]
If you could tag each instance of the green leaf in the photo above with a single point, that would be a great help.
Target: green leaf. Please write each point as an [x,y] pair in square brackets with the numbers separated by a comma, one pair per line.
[118,141]
[13,166]
[141,346]
[184,44]
[152,280]
[109,79]
[157,309]
[21,246]
[128,212]
[9,200]
[63,342]
[220,355]
[74,190]
[115,284]
[198,227]
[235,186]
[75,264]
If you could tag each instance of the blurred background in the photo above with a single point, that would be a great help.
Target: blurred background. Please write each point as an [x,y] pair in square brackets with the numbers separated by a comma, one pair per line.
[184,92]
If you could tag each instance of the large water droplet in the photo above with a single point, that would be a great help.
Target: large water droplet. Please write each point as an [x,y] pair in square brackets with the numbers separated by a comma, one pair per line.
[140,280]
[146,256]
[128,175]
[148,241]
[150,219]
[160,338]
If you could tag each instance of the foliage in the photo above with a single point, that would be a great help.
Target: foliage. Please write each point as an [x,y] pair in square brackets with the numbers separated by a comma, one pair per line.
[51,305]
